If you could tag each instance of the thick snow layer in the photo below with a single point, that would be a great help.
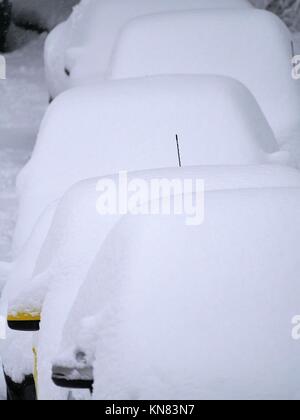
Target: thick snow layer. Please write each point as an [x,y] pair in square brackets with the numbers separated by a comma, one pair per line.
[252,46]
[17,356]
[76,217]
[64,262]
[217,121]
[84,44]
[215,324]
[44,14]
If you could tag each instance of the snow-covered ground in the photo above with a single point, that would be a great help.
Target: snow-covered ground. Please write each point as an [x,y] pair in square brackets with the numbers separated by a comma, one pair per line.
[23,100]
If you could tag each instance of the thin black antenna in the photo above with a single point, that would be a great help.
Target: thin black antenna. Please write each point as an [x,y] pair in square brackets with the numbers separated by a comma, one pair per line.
[178,151]
[293,49]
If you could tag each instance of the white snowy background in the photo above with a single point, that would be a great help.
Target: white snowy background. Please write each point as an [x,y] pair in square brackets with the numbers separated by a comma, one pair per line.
[24,98]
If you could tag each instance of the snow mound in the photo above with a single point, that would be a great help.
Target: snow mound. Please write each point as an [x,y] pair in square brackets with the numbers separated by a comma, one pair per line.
[83,45]
[161,325]
[252,46]
[217,121]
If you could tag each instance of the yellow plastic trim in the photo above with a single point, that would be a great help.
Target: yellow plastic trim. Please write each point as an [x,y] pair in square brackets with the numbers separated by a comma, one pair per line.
[35,370]
[23,316]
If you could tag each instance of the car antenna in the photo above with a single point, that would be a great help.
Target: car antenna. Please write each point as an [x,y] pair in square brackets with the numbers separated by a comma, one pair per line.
[178,151]
[293,49]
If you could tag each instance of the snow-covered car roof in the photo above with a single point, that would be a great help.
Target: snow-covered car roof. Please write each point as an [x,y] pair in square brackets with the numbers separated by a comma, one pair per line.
[83,45]
[132,125]
[167,295]
[63,264]
[252,46]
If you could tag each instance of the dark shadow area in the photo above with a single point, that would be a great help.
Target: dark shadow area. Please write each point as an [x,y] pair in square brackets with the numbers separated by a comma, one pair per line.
[5,20]
[21,392]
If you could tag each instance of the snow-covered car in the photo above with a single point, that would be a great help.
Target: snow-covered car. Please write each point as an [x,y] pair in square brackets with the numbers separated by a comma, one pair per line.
[78,232]
[5,17]
[132,125]
[205,312]
[217,120]
[78,51]
[252,46]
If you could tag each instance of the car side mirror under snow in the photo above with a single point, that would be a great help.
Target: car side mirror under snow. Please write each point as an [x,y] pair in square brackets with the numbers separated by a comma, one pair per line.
[73,378]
